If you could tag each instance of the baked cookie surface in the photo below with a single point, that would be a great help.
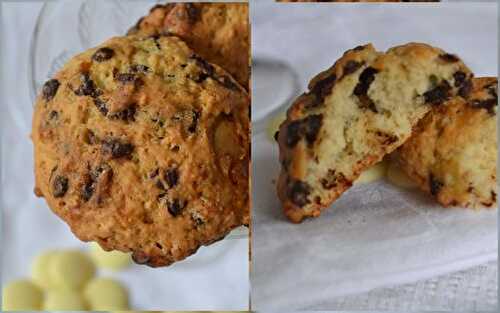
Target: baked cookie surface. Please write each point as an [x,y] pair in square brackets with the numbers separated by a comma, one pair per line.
[218,32]
[143,146]
[452,154]
[354,113]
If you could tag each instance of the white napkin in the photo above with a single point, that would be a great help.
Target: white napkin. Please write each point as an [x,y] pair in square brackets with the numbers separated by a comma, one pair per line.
[377,234]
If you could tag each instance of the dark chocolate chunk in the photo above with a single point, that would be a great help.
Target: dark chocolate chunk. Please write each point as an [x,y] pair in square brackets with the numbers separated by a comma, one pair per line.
[194,123]
[438,94]
[307,127]
[175,207]
[359,48]
[116,148]
[101,106]
[488,104]
[434,185]
[351,66]
[103,54]
[171,176]
[298,192]
[92,180]
[125,77]
[361,89]
[276,135]
[53,115]
[49,89]
[333,179]
[139,68]
[321,90]
[60,186]
[87,87]
[126,115]
[387,138]
[451,58]
[463,83]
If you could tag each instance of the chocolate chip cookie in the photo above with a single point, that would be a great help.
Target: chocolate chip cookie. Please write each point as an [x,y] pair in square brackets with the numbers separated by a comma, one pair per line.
[354,113]
[218,32]
[143,146]
[452,153]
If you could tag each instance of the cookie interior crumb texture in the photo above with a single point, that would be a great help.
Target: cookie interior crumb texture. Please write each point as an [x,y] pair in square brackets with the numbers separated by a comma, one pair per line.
[452,154]
[354,113]
[143,146]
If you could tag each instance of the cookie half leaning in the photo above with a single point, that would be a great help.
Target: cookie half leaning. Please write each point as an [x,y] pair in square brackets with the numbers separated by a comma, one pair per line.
[218,32]
[452,153]
[143,146]
[354,113]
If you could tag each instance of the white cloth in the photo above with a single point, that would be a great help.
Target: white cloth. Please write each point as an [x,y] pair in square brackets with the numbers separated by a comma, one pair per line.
[375,235]
[216,278]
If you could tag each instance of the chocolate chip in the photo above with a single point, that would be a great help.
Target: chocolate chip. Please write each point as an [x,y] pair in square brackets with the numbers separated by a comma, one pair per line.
[359,48]
[365,80]
[435,185]
[333,179]
[361,89]
[171,176]
[159,184]
[139,68]
[154,173]
[307,127]
[49,89]
[103,54]
[175,207]
[53,115]
[116,148]
[93,179]
[101,106]
[463,83]
[493,196]
[438,94]
[87,87]
[321,90]
[195,117]
[125,77]
[298,192]
[126,115]
[59,186]
[488,104]
[276,135]
[386,138]
[351,66]
[447,57]
[312,125]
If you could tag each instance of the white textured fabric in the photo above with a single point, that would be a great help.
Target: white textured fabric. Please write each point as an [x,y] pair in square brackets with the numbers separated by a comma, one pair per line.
[375,235]
[216,278]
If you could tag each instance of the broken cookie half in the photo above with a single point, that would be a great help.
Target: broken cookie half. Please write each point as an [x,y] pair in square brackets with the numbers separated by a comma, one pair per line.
[362,108]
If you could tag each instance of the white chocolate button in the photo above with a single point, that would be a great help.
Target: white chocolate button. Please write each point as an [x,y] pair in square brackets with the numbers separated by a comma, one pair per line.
[113,260]
[71,269]
[106,294]
[64,300]
[21,295]
[40,269]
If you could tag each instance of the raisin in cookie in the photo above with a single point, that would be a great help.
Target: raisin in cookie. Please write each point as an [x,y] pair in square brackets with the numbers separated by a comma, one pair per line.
[218,32]
[452,153]
[143,146]
[354,113]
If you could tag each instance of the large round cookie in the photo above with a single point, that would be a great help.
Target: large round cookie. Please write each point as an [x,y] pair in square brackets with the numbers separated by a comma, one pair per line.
[354,113]
[143,146]
[452,153]
[219,32]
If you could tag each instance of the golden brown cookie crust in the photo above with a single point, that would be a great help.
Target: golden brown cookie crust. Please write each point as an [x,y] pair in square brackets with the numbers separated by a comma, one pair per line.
[354,113]
[143,146]
[219,32]
[452,153]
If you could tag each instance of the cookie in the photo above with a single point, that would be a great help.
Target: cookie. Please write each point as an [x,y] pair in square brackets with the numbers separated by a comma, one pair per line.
[143,146]
[452,153]
[354,113]
[218,32]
